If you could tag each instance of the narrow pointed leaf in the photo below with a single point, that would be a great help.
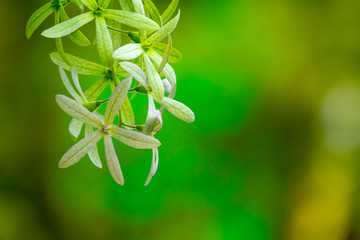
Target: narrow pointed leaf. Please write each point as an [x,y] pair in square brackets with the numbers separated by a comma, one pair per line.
[77,37]
[131,19]
[168,71]
[91,4]
[159,122]
[93,153]
[175,55]
[95,90]
[116,100]
[75,77]
[135,71]
[139,7]
[178,109]
[37,18]
[134,139]
[166,55]
[68,26]
[68,85]
[154,80]
[112,160]
[151,117]
[163,32]
[120,72]
[80,149]
[75,128]
[128,52]
[83,66]
[79,4]
[154,165]
[154,12]
[127,113]
[127,5]
[104,3]
[169,12]
[76,110]
[104,42]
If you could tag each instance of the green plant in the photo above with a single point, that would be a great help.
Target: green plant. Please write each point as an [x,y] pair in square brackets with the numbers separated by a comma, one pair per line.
[146,59]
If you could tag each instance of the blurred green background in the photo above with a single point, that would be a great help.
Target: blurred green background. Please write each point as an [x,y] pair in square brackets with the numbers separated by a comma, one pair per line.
[273,154]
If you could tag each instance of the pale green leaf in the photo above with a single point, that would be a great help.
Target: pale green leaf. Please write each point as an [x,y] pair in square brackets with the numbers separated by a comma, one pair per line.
[79,4]
[91,4]
[83,66]
[76,81]
[164,31]
[95,90]
[127,113]
[78,111]
[151,117]
[154,80]
[80,149]
[178,109]
[128,52]
[37,18]
[139,7]
[104,42]
[127,5]
[131,19]
[93,153]
[68,26]
[104,3]
[166,55]
[75,128]
[154,12]
[154,165]
[134,139]
[168,71]
[175,55]
[135,71]
[68,85]
[112,160]
[167,86]
[77,37]
[159,122]
[169,12]
[117,98]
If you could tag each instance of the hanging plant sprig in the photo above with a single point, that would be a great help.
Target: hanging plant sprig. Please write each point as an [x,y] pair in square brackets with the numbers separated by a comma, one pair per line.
[146,59]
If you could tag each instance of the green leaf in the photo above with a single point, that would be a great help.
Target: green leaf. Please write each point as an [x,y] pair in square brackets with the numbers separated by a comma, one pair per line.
[75,77]
[104,42]
[135,71]
[154,12]
[83,66]
[77,37]
[178,109]
[168,71]
[131,19]
[175,55]
[134,139]
[93,153]
[91,4]
[167,86]
[164,31]
[37,18]
[68,85]
[169,12]
[120,72]
[75,128]
[79,4]
[116,100]
[166,55]
[79,150]
[115,36]
[139,7]
[128,52]
[58,41]
[151,117]
[154,165]
[112,160]
[68,26]
[154,80]
[95,90]
[127,5]
[78,111]
[127,113]
[104,3]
